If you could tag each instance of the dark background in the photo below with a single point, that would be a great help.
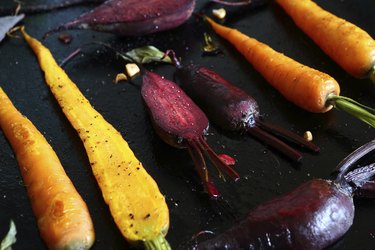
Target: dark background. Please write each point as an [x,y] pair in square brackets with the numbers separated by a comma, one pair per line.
[265,173]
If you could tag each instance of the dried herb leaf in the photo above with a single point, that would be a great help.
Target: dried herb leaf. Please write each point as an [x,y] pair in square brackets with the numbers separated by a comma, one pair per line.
[147,54]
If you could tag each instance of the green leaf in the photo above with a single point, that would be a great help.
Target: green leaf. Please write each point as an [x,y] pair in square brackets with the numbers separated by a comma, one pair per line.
[147,54]
[10,238]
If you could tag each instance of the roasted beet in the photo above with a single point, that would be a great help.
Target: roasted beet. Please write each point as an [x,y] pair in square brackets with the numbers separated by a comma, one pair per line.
[312,216]
[232,109]
[182,124]
[133,17]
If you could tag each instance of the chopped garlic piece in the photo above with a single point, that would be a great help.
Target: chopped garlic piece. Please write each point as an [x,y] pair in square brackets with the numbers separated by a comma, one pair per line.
[308,136]
[120,77]
[219,13]
[132,69]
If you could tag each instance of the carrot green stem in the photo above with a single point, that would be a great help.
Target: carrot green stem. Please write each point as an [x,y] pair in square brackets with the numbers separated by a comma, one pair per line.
[159,243]
[372,74]
[358,110]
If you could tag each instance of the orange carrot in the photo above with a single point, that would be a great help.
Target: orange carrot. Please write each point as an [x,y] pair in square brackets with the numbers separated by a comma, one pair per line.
[63,219]
[347,44]
[306,87]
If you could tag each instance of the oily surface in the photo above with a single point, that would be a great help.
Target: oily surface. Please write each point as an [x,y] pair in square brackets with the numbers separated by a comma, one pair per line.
[265,173]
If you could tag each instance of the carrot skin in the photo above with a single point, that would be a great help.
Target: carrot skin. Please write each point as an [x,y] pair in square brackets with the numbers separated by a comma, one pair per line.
[306,87]
[63,219]
[348,45]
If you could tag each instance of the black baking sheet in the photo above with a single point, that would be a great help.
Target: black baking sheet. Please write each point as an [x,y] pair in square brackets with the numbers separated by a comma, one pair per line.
[265,173]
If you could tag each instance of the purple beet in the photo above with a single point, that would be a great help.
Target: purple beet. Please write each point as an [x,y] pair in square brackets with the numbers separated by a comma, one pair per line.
[136,17]
[232,109]
[133,17]
[182,124]
[312,216]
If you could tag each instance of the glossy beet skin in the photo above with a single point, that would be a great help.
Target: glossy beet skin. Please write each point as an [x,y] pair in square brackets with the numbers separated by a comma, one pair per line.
[232,109]
[175,116]
[182,124]
[228,106]
[133,17]
[312,216]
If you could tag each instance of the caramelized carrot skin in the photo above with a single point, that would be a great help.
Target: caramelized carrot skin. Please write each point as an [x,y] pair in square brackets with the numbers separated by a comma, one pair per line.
[347,44]
[304,86]
[136,204]
[63,218]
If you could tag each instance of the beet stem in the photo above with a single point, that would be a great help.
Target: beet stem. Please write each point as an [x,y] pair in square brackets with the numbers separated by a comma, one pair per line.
[239,3]
[200,165]
[360,176]
[344,166]
[275,142]
[218,163]
[288,135]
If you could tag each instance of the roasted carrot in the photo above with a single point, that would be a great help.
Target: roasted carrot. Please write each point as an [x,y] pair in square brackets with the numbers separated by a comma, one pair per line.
[348,45]
[306,87]
[63,219]
[133,197]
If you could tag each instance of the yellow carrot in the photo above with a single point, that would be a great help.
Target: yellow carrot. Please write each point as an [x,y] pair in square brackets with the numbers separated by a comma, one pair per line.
[348,45]
[63,219]
[134,199]
[306,87]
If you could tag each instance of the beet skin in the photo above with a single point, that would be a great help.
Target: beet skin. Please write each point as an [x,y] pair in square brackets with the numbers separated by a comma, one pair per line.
[312,216]
[133,17]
